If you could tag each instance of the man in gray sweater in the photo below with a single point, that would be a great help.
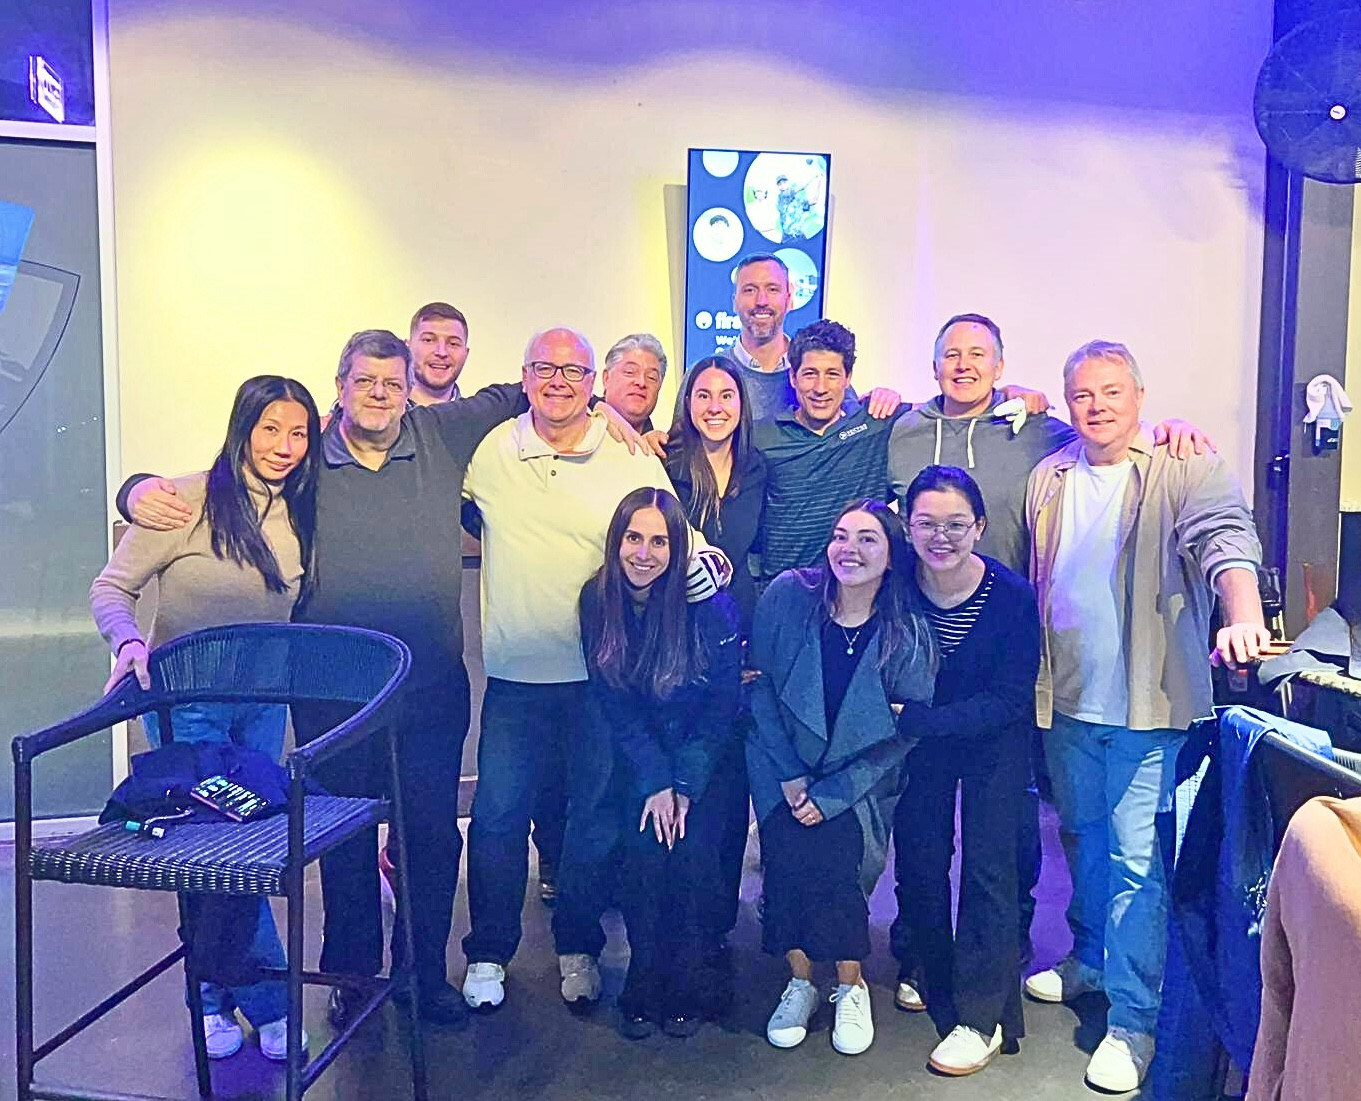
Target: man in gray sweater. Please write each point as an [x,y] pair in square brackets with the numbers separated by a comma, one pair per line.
[968,425]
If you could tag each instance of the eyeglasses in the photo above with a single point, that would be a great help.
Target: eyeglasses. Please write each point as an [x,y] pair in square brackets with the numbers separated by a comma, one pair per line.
[953,530]
[390,385]
[572,372]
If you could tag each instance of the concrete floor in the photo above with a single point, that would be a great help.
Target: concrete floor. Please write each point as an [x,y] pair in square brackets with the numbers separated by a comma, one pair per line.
[91,939]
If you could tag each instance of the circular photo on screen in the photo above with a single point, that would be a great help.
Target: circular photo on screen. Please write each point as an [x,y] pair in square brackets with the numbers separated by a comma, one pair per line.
[719,162]
[786,196]
[718,233]
[803,276]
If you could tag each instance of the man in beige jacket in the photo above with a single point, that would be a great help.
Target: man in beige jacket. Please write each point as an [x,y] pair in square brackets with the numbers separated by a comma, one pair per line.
[1129,550]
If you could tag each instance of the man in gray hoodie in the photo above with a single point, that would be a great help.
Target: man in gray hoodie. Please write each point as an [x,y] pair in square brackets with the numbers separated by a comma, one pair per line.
[961,428]
[970,425]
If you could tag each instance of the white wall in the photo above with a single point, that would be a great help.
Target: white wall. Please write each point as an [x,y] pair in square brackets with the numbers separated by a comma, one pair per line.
[1073,169]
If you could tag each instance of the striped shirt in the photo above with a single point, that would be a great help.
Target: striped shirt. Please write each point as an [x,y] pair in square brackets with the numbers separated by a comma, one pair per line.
[810,477]
[951,626]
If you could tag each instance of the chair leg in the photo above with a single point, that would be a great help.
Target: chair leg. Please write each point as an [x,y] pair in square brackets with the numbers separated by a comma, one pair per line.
[195,992]
[418,1071]
[23,968]
[295,1056]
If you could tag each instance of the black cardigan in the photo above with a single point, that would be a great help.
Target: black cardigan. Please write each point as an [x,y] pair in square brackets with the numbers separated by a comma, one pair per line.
[985,688]
[674,742]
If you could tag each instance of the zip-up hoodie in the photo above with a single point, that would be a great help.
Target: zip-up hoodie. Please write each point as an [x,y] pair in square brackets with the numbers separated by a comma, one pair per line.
[998,461]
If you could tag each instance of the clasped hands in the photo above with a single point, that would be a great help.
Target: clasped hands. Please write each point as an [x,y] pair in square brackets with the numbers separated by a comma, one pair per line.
[800,805]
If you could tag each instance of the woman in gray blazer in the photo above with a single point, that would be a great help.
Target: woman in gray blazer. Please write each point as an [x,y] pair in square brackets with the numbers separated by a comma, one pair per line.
[836,647]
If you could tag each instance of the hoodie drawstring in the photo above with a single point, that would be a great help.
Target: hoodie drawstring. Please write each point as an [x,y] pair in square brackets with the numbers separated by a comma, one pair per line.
[936,460]
[968,441]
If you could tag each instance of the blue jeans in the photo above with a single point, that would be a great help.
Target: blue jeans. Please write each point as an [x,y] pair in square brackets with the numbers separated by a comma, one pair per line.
[527,730]
[1113,789]
[251,726]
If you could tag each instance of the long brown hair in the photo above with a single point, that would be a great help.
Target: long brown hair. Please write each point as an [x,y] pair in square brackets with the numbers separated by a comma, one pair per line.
[686,441]
[902,620]
[668,654]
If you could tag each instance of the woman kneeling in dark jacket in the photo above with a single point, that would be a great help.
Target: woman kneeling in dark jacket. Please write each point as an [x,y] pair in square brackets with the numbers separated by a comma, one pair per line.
[837,647]
[664,679]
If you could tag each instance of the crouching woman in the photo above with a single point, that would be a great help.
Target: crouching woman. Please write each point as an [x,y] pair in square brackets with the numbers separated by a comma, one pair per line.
[836,647]
[663,689]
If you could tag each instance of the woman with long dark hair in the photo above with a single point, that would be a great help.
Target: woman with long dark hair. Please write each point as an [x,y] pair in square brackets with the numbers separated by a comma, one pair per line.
[662,692]
[243,557]
[720,479]
[975,735]
[837,646]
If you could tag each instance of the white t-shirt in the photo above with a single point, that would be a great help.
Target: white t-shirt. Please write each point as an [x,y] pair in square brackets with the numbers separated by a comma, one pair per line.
[1087,637]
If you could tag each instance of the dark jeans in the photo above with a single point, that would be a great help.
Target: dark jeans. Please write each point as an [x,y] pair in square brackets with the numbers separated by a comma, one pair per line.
[526,728]
[549,816]
[670,898]
[431,722]
[598,808]
[972,976]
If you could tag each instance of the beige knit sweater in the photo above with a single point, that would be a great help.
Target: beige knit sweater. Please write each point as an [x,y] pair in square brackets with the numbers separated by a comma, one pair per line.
[1311,961]
[196,589]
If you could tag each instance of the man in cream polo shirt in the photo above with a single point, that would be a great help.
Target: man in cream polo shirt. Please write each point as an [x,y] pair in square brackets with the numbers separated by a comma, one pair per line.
[547,484]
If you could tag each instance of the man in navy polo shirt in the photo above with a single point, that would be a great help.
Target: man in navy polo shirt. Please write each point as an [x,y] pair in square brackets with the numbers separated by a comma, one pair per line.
[820,452]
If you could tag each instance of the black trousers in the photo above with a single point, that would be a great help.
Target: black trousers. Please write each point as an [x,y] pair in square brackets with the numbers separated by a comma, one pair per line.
[671,899]
[431,723]
[730,803]
[972,976]
[814,901]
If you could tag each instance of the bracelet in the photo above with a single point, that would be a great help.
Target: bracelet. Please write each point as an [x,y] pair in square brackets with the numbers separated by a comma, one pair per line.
[126,642]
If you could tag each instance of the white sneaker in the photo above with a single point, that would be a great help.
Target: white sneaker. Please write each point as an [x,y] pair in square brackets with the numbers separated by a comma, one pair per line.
[853,1031]
[965,1051]
[1068,979]
[274,1040]
[1120,1061]
[580,981]
[484,987]
[909,997]
[788,1025]
[222,1033]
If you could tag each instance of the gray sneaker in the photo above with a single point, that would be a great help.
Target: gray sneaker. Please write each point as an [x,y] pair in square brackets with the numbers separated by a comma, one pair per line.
[580,981]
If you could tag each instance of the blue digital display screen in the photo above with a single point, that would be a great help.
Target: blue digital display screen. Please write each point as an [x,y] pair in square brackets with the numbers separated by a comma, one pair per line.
[47,61]
[744,202]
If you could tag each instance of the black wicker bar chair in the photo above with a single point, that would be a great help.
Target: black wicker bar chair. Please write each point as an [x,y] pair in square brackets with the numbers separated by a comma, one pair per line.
[254,663]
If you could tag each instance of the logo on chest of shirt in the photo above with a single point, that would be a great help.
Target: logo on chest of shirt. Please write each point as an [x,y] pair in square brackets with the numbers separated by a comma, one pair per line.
[847,433]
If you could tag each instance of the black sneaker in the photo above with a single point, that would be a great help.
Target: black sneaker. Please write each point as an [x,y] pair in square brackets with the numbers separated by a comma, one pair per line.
[441,1004]
[341,1007]
[635,1026]
[682,1026]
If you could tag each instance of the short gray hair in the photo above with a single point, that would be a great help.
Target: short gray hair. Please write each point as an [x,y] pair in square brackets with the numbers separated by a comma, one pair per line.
[1109,350]
[636,342]
[376,344]
[529,348]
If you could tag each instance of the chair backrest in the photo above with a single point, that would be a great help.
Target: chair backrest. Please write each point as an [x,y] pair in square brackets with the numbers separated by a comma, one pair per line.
[277,662]
[245,663]
[1294,775]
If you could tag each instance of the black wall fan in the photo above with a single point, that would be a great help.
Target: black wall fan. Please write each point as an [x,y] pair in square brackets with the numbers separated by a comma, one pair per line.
[1308,99]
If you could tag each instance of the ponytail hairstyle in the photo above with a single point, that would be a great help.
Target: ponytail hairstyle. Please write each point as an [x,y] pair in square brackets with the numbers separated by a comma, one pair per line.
[666,653]
[228,509]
